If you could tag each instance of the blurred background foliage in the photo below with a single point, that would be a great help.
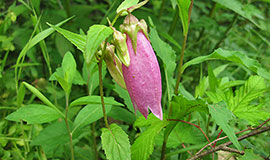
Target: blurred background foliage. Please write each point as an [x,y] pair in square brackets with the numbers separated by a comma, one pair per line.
[240,25]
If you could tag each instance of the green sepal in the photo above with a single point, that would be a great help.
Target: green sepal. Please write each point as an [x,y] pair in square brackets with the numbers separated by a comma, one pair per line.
[131,27]
[121,47]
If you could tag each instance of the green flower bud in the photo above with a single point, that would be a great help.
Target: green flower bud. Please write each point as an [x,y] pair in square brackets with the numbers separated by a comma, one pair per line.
[121,47]
[114,65]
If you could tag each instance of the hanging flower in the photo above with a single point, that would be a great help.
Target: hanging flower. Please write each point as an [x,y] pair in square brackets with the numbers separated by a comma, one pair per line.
[142,74]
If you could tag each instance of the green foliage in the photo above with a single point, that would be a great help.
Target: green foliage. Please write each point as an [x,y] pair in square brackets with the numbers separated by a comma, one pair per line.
[249,154]
[34,114]
[115,142]
[78,40]
[49,79]
[167,54]
[181,106]
[233,56]
[144,144]
[94,100]
[222,116]
[95,35]
[125,5]
[183,6]
[89,114]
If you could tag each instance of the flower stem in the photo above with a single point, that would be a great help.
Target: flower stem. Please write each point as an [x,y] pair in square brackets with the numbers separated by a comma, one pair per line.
[174,22]
[179,75]
[68,128]
[101,92]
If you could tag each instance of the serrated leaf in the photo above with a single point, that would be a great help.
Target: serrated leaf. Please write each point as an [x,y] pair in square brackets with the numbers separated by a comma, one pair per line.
[222,116]
[252,89]
[95,35]
[115,143]
[233,56]
[34,114]
[167,54]
[144,144]
[183,6]
[78,40]
[89,114]
[94,100]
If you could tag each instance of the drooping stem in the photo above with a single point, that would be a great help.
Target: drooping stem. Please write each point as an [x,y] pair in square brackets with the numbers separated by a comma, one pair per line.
[68,128]
[101,92]
[179,75]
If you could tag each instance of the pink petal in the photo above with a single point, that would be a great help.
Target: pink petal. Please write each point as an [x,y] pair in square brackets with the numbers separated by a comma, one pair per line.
[142,77]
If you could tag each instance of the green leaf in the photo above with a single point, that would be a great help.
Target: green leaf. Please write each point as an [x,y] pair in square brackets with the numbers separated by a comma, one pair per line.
[78,40]
[249,154]
[233,56]
[243,10]
[124,94]
[89,114]
[90,75]
[182,106]
[36,39]
[222,116]
[213,82]
[125,5]
[42,97]
[94,100]
[183,6]
[69,69]
[252,89]
[122,114]
[20,96]
[115,143]
[144,144]
[167,54]
[95,35]
[240,104]
[53,135]
[34,114]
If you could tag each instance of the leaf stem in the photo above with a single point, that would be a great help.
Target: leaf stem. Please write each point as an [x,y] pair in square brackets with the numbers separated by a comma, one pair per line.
[68,128]
[179,75]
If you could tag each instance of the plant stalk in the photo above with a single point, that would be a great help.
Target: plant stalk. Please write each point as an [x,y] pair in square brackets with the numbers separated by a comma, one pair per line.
[179,75]
[101,92]
[68,128]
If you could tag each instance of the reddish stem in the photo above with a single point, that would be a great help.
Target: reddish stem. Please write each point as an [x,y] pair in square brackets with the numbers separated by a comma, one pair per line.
[218,137]
[179,120]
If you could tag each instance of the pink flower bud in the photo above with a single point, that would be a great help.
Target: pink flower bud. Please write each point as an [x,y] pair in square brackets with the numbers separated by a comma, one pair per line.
[142,77]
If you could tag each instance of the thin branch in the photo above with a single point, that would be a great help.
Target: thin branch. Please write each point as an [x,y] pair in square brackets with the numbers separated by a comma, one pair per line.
[219,139]
[179,120]
[222,146]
